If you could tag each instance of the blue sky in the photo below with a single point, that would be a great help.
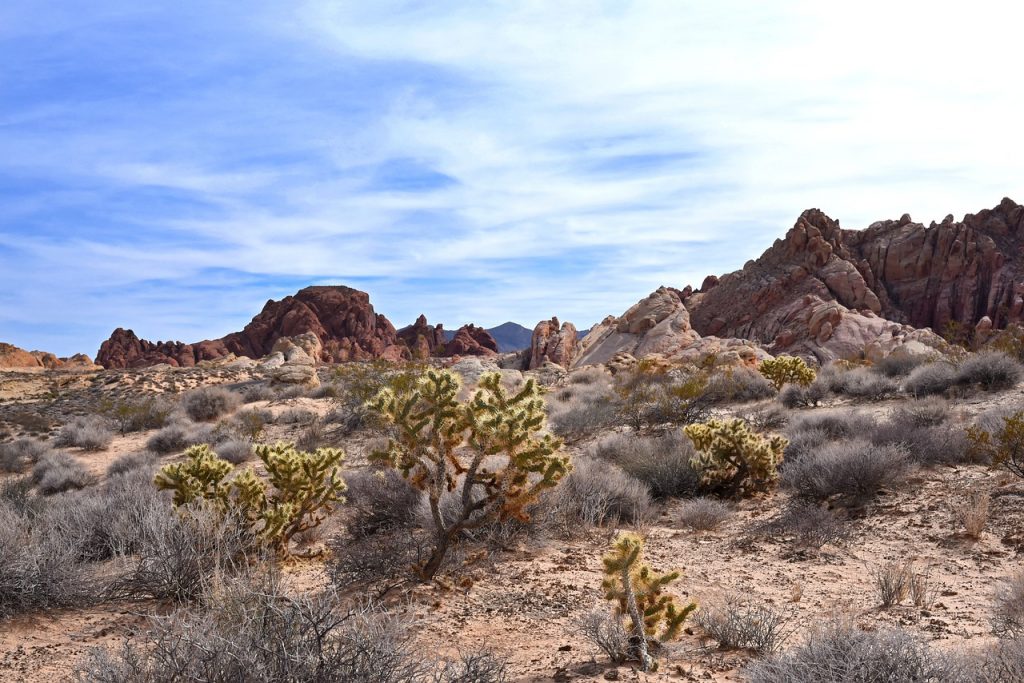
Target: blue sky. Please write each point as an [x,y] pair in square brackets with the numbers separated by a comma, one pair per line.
[171,166]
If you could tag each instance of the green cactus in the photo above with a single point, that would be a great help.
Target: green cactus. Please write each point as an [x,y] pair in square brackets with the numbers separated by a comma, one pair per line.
[440,444]
[733,460]
[787,370]
[638,591]
[304,488]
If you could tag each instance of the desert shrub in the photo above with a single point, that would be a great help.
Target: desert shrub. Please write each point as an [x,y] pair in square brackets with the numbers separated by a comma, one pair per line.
[209,403]
[378,563]
[58,471]
[235,452]
[584,414]
[607,632]
[769,417]
[479,666]
[924,445]
[292,416]
[254,630]
[17,455]
[799,396]
[738,385]
[380,501]
[131,462]
[678,400]
[591,374]
[1002,663]
[304,488]
[804,442]
[1003,446]
[922,412]
[836,424]
[806,525]
[312,437]
[863,383]
[990,370]
[739,622]
[326,390]
[88,433]
[852,471]
[899,365]
[839,651]
[704,514]
[31,421]
[251,423]
[661,462]
[177,436]
[258,392]
[40,565]
[733,460]
[648,613]
[971,512]
[1008,615]
[439,437]
[931,379]
[786,370]
[360,383]
[137,415]
[892,581]
[596,493]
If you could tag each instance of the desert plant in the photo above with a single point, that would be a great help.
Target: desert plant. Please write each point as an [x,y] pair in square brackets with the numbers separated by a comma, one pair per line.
[661,462]
[440,440]
[836,424]
[786,370]
[292,416]
[739,622]
[131,462]
[770,417]
[595,493]
[922,412]
[799,396]
[808,526]
[930,379]
[1008,615]
[1003,447]
[178,435]
[607,632]
[852,471]
[733,460]
[640,598]
[899,365]
[924,445]
[17,455]
[971,512]
[235,452]
[839,651]
[737,385]
[380,501]
[704,514]
[305,487]
[864,383]
[58,471]
[251,423]
[88,433]
[920,587]
[137,415]
[892,581]
[990,370]
[209,403]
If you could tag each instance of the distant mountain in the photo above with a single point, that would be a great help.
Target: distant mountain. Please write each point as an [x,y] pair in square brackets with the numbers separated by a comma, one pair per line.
[510,336]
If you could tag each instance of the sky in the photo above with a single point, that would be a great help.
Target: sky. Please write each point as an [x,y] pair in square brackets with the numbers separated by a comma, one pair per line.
[169,167]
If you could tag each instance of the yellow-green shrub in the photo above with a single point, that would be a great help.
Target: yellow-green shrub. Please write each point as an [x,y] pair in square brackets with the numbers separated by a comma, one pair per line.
[786,370]
[731,459]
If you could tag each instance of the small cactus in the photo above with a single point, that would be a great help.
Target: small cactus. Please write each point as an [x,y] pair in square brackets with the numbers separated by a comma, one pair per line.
[304,488]
[787,370]
[732,459]
[441,444]
[638,592]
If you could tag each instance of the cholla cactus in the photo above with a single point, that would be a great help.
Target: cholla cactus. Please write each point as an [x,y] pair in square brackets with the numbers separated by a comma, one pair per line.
[304,488]
[787,370]
[732,459]
[639,594]
[1004,448]
[439,439]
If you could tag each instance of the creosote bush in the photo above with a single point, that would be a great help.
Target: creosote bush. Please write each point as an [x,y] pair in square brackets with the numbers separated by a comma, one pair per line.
[304,488]
[786,370]
[440,444]
[209,403]
[88,433]
[649,615]
[733,460]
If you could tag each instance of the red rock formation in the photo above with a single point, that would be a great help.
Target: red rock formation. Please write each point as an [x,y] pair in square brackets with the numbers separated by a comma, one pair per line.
[471,340]
[13,357]
[553,342]
[820,277]
[422,338]
[341,317]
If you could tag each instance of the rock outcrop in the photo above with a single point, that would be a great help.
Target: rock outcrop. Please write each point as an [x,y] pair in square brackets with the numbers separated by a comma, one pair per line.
[831,293]
[470,340]
[13,358]
[553,343]
[423,339]
[341,318]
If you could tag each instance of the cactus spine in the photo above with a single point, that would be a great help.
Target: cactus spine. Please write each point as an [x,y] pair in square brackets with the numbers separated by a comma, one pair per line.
[639,594]
[441,444]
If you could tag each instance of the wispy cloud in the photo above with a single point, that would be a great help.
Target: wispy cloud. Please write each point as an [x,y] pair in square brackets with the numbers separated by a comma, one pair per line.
[171,169]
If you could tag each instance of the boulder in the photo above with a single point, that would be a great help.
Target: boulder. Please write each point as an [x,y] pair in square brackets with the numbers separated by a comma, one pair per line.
[553,342]
[470,340]
[422,339]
